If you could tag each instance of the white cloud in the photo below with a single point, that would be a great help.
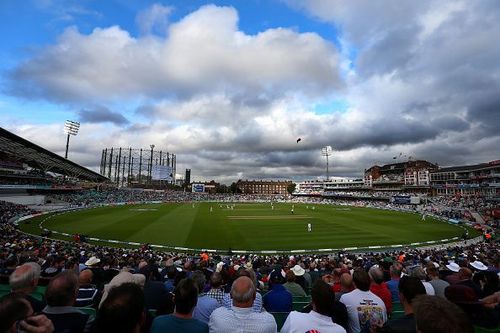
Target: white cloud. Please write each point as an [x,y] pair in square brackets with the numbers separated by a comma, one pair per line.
[154,19]
[203,53]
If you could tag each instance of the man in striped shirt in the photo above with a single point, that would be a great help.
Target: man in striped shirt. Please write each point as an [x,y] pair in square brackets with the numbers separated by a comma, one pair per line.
[216,290]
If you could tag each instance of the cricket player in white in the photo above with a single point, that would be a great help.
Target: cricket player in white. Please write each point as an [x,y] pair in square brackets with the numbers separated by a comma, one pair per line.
[309,227]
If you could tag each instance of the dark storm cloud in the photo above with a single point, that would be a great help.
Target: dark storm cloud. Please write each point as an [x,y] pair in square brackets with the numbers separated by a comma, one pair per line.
[390,53]
[487,113]
[102,114]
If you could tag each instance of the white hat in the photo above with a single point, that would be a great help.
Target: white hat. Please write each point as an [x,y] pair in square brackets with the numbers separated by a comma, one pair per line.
[121,278]
[453,266]
[219,267]
[297,270]
[92,261]
[435,264]
[479,265]
[248,265]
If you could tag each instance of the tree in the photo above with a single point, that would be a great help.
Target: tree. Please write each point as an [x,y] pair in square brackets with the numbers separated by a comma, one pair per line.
[233,188]
[290,188]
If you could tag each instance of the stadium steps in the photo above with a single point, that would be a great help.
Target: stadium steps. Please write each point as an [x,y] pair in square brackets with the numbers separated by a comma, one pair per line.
[477,217]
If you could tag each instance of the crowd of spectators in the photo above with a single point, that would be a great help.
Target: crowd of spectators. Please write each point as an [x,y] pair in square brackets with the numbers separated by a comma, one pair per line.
[144,290]
[9,211]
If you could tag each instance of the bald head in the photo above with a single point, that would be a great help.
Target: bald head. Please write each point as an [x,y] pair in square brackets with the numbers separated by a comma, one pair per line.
[243,292]
[86,276]
[376,275]
[346,282]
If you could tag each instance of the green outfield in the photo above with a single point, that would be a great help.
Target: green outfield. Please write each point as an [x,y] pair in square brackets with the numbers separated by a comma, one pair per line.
[249,226]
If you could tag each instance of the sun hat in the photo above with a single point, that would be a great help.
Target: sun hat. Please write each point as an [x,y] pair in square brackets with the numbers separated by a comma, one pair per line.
[248,265]
[297,270]
[121,278]
[479,265]
[453,266]
[92,261]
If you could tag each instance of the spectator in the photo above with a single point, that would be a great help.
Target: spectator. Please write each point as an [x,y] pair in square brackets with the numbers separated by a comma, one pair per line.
[278,299]
[365,309]
[24,280]
[186,297]
[438,284]
[88,294]
[16,315]
[419,273]
[61,295]
[216,288]
[241,317]
[465,279]
[206,304]
[467,300]
[171,272]
[345,286]
[319,318]
[257,304]
[299,272]
[156,296]
[392,284]
[121,278]
[294,288]
[122,311]
[451,274]
[409,288]
[379,288]
[436,315]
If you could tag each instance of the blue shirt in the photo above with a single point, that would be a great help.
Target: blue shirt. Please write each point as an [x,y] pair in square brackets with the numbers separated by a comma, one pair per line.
[278,299]
[204,308]
[393,286]
[171,323]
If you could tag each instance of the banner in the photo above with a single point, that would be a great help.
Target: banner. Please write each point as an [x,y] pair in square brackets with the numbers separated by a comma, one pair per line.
[198,188]
[162,172]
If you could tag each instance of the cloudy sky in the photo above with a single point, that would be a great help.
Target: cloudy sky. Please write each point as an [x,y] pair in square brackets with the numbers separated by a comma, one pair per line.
[229,86]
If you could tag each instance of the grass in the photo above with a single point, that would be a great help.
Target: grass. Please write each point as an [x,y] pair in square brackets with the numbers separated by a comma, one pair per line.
[249,226]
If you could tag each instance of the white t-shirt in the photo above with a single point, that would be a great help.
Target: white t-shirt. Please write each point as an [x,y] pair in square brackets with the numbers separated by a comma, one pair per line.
[298,322]
[364,309]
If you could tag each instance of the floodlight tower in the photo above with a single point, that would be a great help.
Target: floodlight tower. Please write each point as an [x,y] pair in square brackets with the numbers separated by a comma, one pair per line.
[70,128]
[151,164]
[327,151]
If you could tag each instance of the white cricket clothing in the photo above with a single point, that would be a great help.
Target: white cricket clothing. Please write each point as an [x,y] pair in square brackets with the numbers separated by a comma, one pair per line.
[298,322]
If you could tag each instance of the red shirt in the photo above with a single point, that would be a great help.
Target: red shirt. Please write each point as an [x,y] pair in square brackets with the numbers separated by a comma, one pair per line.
[382,291]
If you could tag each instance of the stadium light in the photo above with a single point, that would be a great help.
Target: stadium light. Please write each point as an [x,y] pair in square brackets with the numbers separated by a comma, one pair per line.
[326,151]
[70,128]
[151,165]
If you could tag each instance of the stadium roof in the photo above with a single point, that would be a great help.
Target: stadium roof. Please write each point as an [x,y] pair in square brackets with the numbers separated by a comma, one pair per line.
[40,158]
[468,168]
